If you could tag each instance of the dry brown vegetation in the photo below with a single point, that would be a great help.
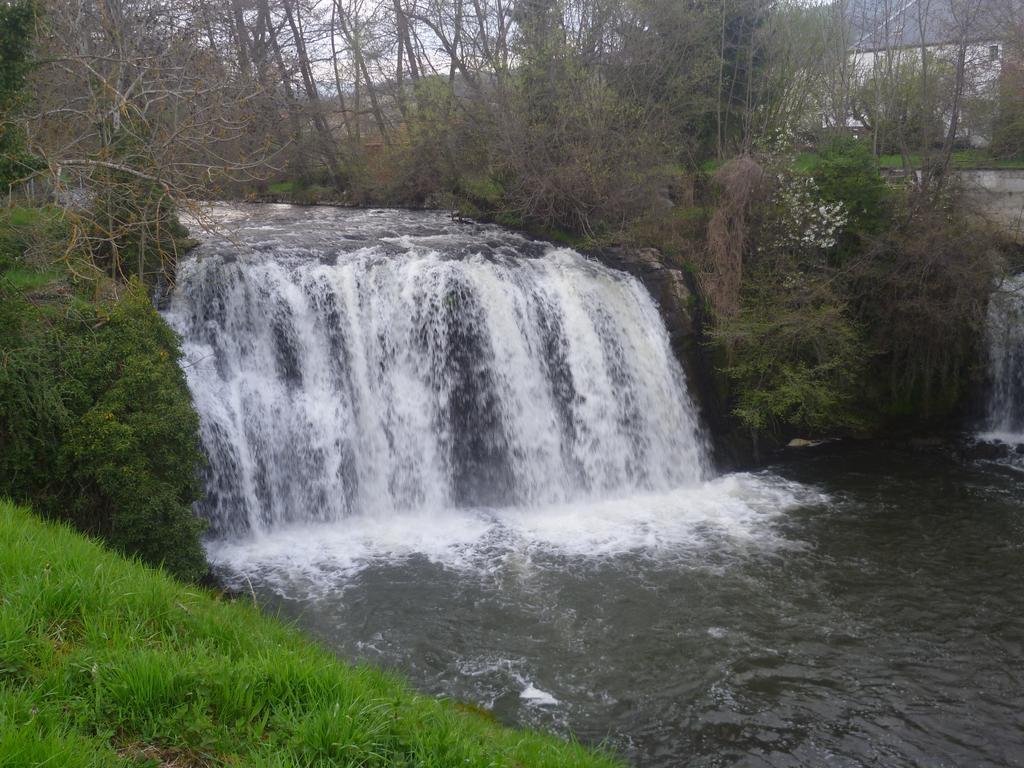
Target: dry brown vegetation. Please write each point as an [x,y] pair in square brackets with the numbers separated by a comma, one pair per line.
[742,184]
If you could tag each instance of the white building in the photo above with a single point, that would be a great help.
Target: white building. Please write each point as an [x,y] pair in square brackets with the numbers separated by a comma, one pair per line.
[891,37]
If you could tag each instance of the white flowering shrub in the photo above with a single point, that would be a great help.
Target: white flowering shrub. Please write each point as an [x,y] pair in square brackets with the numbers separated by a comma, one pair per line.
[777,143]
[804,220]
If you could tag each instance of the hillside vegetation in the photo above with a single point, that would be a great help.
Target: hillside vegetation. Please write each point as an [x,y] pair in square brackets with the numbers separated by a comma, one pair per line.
[96,423]
[105,662]
[718,134]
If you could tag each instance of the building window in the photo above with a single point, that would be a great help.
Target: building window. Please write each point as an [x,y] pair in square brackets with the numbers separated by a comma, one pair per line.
[993,52]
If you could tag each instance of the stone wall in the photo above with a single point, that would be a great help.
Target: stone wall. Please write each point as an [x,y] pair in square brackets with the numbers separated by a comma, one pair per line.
[998,195]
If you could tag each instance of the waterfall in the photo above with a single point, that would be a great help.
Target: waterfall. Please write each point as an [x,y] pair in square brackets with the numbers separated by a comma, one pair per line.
[1005,412]
[352,362]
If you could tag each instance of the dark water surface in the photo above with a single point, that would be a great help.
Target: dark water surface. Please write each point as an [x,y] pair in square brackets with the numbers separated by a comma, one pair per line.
[873,617]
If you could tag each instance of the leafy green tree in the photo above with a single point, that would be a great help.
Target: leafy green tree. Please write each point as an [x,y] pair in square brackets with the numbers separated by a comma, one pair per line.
[798,361]
[17,21]
[795,356]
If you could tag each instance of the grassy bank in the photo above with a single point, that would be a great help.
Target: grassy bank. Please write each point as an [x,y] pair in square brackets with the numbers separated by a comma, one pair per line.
[964,159]
[106,662]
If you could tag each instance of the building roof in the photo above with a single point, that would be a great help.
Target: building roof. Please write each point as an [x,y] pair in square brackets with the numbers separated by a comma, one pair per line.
[885,24]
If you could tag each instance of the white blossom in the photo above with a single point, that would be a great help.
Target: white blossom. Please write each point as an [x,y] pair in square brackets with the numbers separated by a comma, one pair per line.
[807,221]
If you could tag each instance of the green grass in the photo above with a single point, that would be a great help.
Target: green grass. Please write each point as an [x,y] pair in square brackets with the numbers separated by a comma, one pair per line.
[711,165]
[965,159]
[27,279]
[282,188]
[22,217]
[104,662]
[20,228]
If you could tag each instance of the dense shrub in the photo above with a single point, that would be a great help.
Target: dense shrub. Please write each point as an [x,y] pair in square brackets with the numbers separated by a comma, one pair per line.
[922,288]
[846,172]
[581,166]
[795,357]
[96,424]
[853,307]
[741,185]
[798,361]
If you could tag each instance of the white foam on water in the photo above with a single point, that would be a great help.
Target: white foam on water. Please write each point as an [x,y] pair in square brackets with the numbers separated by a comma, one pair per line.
[733,513]
[536,696]
[1010,438]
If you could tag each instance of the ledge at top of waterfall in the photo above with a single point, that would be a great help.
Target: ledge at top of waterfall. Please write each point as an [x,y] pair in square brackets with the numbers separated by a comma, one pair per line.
[350,362]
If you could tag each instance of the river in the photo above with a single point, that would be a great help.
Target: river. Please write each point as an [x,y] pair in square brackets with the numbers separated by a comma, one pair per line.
[470,457]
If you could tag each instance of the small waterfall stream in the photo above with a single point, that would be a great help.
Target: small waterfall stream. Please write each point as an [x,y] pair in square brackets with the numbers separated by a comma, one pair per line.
[353,362]
[1005,412]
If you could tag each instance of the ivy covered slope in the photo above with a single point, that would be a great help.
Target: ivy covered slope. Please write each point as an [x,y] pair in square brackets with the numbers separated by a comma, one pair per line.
[104,662]
[96,422]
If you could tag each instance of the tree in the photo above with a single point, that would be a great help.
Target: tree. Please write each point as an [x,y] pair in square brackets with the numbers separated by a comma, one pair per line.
[134,116]
[17,20]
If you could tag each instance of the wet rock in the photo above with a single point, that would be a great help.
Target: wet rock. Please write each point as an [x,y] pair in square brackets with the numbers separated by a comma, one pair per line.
[926,443]
[666,284]
[986,451]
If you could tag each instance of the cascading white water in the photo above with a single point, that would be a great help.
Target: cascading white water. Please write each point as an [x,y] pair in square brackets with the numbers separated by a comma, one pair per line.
[373,362]
[1005,412]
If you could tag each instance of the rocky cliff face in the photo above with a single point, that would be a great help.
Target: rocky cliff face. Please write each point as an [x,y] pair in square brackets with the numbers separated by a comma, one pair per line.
[668,285]
[999,196]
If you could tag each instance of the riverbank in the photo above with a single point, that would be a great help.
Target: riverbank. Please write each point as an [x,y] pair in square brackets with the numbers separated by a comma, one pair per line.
[106,662]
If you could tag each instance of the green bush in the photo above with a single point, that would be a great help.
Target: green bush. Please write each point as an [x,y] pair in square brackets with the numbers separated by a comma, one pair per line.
[793,352]
[840,331]
[96,423]
[921,289]
[846,172]
[797,361]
